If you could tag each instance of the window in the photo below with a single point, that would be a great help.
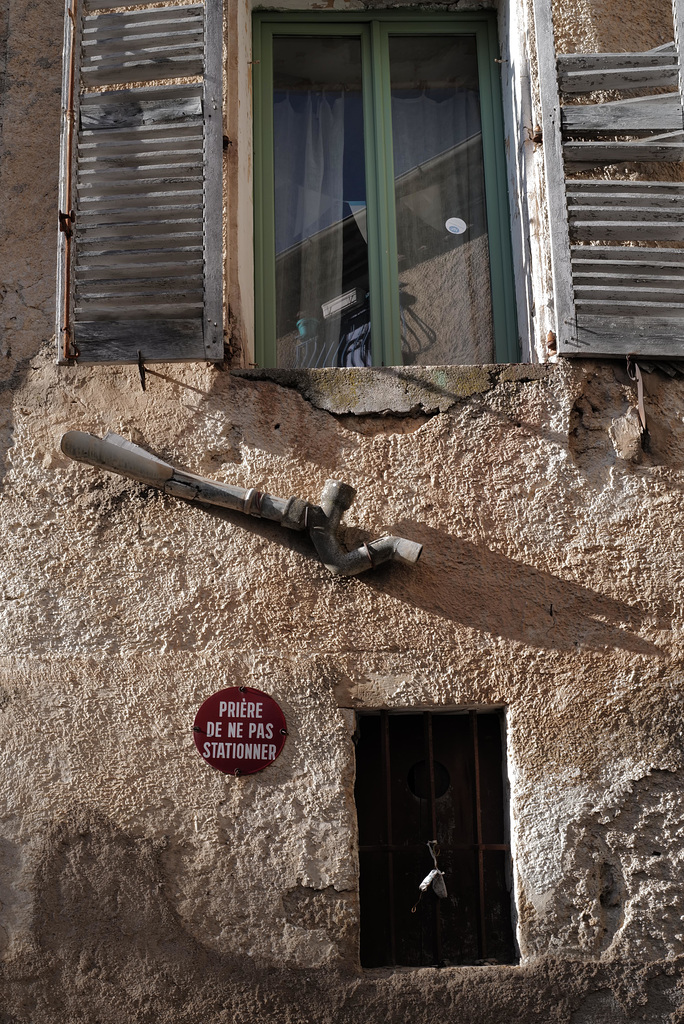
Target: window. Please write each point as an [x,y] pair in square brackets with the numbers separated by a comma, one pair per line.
[381,209]
[422,778]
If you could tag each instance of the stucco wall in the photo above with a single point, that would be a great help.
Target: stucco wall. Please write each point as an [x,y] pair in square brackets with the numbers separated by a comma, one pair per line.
[136,884]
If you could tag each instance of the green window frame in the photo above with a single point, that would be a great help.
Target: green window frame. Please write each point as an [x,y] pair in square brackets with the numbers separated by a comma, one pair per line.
[374,29]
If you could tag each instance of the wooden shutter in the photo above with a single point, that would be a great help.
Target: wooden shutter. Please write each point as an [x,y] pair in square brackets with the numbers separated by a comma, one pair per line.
[140,265]
[615,297]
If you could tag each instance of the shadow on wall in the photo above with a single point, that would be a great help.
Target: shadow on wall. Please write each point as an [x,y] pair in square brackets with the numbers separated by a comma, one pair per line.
[488,591]
[109,946]
[481,589]
[30,89]
[7,421]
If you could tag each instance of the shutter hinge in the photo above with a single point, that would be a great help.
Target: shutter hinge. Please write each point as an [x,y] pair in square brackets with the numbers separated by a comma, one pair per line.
[66,222]
[69,348]
[634,373]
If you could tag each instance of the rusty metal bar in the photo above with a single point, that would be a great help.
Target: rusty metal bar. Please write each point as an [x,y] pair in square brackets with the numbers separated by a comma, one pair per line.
[384,725]
[478,824]
[430,758]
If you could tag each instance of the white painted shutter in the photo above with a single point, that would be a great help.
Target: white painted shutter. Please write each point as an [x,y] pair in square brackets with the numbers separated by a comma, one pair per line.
[140,266]
[615,297]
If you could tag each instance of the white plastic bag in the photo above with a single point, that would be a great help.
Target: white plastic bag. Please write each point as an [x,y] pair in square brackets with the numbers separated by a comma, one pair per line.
[436,880]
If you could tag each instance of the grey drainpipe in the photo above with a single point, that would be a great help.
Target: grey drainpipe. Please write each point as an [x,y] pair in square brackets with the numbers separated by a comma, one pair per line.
[120,456]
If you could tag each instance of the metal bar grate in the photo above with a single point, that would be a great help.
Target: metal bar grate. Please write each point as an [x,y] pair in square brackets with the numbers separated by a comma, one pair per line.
[434,777]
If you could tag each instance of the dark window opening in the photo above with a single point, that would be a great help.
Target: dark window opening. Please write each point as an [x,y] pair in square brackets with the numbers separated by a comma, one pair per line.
[422,778]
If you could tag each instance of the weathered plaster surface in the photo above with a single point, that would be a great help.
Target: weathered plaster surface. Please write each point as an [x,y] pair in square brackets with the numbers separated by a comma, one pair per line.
[136,884]
[550,583]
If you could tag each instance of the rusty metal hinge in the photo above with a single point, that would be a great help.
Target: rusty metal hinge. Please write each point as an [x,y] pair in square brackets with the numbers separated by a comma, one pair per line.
[66,222]
[69,349]
[634,374]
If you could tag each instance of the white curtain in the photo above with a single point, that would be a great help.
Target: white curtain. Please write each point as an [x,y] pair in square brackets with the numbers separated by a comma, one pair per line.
[309,150]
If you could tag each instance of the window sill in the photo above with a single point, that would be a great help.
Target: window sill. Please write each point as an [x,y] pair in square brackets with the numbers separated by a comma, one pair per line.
[386,972]
[396,390]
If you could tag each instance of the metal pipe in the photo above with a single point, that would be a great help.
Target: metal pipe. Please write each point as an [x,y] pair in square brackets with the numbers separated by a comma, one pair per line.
[127,459]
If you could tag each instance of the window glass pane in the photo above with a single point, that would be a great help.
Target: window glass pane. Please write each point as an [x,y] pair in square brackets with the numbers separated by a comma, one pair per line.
[322,301]
[444,281]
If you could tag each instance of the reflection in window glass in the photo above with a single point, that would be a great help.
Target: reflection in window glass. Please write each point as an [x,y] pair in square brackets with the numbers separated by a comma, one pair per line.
[322,297]
[443,254]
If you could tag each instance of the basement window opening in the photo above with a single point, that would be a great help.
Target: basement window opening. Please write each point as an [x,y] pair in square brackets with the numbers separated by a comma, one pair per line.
[426,778]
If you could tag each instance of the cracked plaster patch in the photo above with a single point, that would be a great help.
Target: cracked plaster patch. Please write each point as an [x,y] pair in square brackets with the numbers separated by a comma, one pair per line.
[396,390]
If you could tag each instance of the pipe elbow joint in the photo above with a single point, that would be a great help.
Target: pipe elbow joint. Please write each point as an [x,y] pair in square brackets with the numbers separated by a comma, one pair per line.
[350,563]
[394,549]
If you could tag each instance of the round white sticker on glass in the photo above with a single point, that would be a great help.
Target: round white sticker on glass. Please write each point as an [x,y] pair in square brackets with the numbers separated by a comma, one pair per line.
[456,226]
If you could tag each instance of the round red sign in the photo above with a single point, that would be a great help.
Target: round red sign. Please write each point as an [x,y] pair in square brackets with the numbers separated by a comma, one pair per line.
[240,730]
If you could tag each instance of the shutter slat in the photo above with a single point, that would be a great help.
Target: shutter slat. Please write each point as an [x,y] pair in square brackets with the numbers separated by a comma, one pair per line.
[184,168]
[619,78]
[629,254]
[155,305]
[145,243]
[113,286]
[134,272]
[146,47]
[638,114]
[110,260]
[640,212]
[616,335]
[617,186]
[575,62]
[103,206]
[616,194]
[142,135]
[143,71]
[623,307]
[150,186]
[592,153]
[630,293]
[622,279]
[189,155]
[120,341]
[185,291]
[103,45]
[138,190]
[614,231]
[160,313]
[128,154]
[108,218]
[147,228]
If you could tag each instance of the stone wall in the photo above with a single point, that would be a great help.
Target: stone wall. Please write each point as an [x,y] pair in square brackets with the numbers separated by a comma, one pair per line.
[137,884]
